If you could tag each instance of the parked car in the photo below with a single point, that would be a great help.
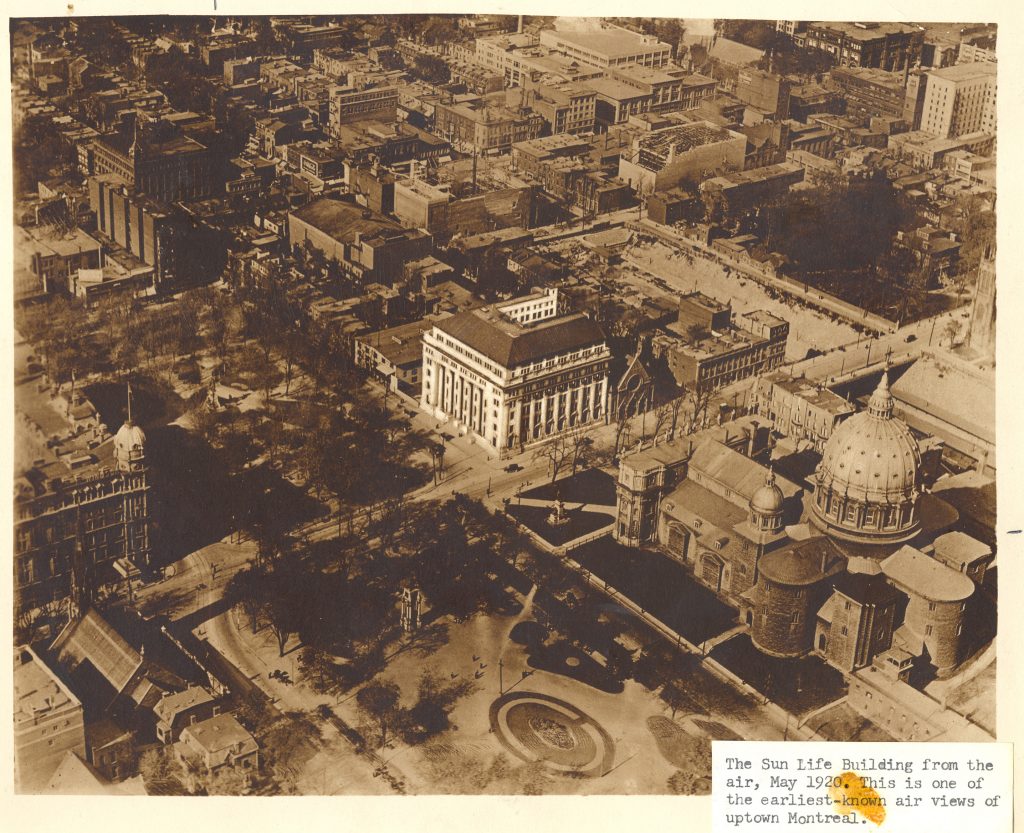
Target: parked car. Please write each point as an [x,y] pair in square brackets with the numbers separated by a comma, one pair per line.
[911,338]
[513,467]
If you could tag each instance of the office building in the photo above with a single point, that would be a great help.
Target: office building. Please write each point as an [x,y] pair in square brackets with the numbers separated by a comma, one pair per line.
[516,372]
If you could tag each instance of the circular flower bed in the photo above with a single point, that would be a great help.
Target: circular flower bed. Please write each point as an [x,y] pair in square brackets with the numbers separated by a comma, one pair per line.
[552,732]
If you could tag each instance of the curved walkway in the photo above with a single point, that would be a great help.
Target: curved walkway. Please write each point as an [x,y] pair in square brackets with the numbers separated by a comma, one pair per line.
[537,727]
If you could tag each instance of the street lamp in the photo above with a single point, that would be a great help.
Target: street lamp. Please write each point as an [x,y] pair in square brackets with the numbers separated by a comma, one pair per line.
[501,677]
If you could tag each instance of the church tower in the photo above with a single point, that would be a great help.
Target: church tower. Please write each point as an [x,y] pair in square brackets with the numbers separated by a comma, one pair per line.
[130,461]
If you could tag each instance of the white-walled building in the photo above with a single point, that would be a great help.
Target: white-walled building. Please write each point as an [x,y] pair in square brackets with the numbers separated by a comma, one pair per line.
[516,372]
[960,100]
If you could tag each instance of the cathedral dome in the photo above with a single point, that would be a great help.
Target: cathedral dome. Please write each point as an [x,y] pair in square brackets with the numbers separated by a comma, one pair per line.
[869,477]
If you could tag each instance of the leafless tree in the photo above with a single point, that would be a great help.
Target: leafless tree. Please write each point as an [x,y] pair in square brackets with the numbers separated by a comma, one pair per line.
[675,409]
[622,431]
[556,452]
[695,408]
[581,442]
[662,418]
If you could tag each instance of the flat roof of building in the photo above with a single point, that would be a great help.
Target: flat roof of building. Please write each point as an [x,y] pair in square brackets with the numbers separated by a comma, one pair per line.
[47,241]
[734,179]
[401,345]
[762,316]
[615,89]
[706,301]
[610,42]
[965,72]
[949,391]
[872,75]
[342,220]
[820,397]
[549,144]
[36,688]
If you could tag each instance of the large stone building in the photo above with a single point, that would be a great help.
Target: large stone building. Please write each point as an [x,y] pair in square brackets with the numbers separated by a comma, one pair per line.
[722,518]
[886,45]
[799,409]
[79,522]
[476,126]
[959,100]
[355,104]
[707,349]
[745,190]
[159,161]
[792,584]
[937,598]
[516,372]
[51,259]
[608,46]
[873,579]
[870,92]
[135,223]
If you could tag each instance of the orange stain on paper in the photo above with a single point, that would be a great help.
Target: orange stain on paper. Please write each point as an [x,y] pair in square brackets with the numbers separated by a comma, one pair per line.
[852,795]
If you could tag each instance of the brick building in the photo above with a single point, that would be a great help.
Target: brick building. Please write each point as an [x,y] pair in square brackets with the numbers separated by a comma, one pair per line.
[369,247]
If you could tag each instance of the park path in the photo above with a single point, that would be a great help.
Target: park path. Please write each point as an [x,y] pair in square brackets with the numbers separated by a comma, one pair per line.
[336,765]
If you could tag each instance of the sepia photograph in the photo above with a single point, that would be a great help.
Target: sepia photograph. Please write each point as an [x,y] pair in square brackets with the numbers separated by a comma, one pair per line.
[483,404]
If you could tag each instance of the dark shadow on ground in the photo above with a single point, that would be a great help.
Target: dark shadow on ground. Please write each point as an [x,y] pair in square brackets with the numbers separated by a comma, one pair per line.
[590,486]
[154,402]
[579,523]
[659,585]
[799,685]
[558,657]
[193,620]
[198,501]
